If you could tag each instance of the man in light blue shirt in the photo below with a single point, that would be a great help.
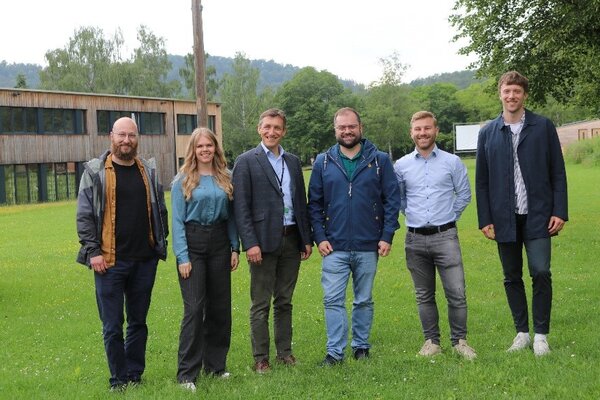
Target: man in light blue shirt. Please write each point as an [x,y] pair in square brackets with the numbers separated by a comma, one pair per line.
[435,190]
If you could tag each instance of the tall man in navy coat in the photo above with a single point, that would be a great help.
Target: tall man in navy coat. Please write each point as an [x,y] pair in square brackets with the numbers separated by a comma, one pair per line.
[521,189]
[269,200]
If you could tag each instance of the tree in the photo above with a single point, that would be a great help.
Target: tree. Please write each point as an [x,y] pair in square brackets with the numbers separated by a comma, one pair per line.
[310,100]
[147,72]
[440,99]
[188,74]
[92,63]
[479,101]
[552,42]
[21,82]
[242,106]
[89,63]
[388,107]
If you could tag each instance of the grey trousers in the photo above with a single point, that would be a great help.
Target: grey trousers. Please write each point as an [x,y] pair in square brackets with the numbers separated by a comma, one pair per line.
[425,253]
[274,278]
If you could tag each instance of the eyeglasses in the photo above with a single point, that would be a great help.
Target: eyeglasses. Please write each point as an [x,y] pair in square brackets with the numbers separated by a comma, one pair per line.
[342,128]
[123,135]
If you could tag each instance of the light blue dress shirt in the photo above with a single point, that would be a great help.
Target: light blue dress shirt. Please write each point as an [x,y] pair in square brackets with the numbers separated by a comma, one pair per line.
[434,190]
[208,205]
[283,178]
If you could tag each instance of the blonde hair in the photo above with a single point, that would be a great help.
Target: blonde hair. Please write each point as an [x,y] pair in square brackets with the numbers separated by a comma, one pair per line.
[189,169]
[422,115]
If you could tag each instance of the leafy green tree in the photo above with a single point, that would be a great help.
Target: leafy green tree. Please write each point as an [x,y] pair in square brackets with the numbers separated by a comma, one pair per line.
[479,101]
[310,99]
[388,107]
[188,74]
[92,63]
[242,106]
[147,72]
[89,63]
[21,82]
[552,42]
[440,99]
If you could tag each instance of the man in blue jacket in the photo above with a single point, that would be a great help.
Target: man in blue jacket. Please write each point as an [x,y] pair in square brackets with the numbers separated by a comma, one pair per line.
[354,201]
[521,189]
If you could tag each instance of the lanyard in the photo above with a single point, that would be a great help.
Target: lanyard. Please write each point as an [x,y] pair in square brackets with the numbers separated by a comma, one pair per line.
[280,179]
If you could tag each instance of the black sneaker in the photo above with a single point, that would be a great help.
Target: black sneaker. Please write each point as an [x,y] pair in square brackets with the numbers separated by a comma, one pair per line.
[118,387]
[330,361]
[360,354]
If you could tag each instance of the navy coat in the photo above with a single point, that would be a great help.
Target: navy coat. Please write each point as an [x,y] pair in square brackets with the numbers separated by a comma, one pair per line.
[543,170]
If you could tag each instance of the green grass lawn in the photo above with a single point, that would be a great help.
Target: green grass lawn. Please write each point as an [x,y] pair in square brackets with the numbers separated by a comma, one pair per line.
[51,340]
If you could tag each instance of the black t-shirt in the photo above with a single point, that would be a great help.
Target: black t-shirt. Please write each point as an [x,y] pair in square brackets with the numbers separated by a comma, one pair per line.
[131,225]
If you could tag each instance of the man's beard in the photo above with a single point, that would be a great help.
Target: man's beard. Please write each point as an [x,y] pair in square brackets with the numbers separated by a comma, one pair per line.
[351,144]
[130,155]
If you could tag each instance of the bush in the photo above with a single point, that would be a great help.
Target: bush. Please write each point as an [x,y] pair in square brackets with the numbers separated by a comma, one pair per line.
[586,152]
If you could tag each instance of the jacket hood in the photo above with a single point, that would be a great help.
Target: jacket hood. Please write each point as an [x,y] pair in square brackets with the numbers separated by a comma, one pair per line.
[368,150]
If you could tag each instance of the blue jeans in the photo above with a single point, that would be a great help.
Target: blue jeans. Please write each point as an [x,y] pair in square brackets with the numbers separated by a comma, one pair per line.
[425,253]
[337,267]
[129,284]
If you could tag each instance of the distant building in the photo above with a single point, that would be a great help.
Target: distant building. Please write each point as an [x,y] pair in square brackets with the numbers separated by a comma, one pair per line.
[575,131]
[46,136]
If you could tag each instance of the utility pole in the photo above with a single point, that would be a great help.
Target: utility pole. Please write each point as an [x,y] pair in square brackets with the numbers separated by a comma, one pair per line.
[199,63]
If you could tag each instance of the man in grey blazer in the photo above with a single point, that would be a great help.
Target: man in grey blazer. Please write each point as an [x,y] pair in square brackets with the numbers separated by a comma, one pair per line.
[272,220]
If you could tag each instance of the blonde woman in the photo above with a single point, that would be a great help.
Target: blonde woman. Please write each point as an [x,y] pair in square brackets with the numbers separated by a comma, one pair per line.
[206,245]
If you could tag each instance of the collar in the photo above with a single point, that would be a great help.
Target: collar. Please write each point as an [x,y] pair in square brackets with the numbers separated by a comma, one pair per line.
[434,152]
[268,152]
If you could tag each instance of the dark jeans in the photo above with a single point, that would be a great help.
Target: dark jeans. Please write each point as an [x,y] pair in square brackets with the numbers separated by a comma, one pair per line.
[425,253]
[206,326]
[274,278]
[126,283]
[538,260]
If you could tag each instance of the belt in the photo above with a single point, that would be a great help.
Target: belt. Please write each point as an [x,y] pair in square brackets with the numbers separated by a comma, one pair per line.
[430,230]
[289,229]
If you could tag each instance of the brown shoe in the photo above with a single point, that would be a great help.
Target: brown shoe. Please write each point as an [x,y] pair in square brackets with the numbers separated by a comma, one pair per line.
[262,366]
[287,360]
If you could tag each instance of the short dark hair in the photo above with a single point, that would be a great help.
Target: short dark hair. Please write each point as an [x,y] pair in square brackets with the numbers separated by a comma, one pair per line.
[345,110]
[514,78]
[272,112]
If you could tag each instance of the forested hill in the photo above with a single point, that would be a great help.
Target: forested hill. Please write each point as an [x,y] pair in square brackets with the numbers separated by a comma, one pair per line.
[462,79]
[272,74]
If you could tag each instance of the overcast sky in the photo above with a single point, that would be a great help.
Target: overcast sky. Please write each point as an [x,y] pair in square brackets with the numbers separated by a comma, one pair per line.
[344,37]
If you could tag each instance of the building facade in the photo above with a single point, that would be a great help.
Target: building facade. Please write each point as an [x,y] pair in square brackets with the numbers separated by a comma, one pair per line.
[46,136]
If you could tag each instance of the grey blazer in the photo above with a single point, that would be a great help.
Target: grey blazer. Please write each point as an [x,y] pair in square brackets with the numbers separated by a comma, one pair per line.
[258,203]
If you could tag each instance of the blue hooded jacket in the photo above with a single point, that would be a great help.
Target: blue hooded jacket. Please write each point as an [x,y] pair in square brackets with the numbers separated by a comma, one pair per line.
[354,214]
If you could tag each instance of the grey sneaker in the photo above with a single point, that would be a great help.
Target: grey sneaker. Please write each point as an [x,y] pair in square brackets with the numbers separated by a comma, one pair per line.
[541,347]
[465,350]
[520,342]
[430,349]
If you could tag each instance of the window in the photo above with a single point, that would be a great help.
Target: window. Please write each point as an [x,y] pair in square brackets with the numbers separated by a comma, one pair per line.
[106,119]
[151,123]
[22,120]
[148,123]
[186,123]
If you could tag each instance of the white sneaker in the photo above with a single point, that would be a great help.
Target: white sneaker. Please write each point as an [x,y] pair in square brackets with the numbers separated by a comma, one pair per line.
[465,350]
[191,386]
[430,349]
[521,341]
[540,347]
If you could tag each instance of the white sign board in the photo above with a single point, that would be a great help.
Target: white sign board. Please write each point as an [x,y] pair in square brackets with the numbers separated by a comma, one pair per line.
[466,137]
